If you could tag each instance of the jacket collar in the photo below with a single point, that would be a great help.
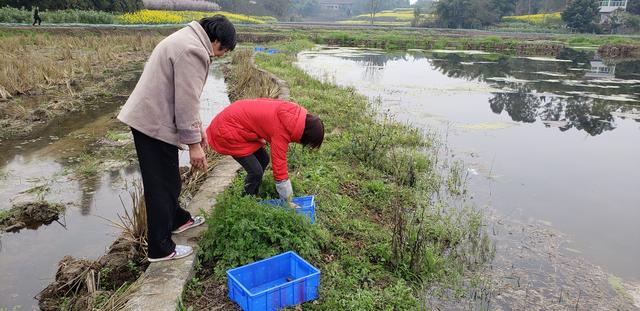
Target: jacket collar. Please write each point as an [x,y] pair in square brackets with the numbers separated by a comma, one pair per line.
[202,35]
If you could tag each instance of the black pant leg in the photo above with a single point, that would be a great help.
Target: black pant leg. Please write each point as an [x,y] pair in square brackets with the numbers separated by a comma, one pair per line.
[180,215]
[263,158]
[254,174]
[161,180]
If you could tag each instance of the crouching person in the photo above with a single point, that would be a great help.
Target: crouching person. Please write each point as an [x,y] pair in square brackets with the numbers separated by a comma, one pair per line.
[243,129]
[163,113]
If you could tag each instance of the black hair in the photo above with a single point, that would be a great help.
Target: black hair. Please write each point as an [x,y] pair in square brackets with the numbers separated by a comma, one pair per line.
[313,134]
[220,28]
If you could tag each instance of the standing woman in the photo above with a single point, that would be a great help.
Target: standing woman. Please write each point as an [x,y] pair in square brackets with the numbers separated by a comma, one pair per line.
[163,113]
[36,17]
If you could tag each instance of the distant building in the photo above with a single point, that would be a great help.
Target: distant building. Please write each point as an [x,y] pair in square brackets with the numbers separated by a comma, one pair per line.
[340,7]
[607,7]
[601,70]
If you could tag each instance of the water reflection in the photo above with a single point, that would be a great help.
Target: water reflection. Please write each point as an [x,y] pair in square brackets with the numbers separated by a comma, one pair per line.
[577,90]
[589,115]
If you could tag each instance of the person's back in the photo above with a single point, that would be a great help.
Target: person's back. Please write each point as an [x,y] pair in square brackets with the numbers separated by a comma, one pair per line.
[161,107]
[238,129]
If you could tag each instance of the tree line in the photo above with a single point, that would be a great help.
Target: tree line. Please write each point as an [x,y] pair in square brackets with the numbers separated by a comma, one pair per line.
[577,15]
[96,5]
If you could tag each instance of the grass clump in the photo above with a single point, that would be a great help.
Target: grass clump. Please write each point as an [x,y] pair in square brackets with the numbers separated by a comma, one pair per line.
[243,231]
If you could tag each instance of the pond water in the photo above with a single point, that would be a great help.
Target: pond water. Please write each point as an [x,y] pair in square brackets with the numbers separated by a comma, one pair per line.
[554,141]
[29,258]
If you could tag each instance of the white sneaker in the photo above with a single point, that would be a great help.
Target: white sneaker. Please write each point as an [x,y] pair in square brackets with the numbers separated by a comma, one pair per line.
[194,222]
[180,251]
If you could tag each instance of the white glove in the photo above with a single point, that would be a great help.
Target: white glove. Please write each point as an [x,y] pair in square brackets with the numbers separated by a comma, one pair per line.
[284,189]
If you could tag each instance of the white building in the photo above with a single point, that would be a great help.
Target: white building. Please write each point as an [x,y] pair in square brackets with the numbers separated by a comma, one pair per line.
[607,7]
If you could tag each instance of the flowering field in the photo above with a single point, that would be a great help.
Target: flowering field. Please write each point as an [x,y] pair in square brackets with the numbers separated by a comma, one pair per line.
[179,17]
[396,17]
[14,15]
[535,19]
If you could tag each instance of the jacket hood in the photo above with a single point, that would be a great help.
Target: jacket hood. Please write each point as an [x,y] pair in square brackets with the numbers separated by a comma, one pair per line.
[295,117]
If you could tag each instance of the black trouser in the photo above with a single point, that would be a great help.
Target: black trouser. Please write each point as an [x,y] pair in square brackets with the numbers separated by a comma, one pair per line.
[36,20]
[161,180]
[255,165]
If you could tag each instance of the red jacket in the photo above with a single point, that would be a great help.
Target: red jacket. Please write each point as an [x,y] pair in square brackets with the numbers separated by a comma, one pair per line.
[240,128]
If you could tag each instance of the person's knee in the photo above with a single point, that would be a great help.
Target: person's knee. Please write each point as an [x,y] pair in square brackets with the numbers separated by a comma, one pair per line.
[264,164]
[255,175]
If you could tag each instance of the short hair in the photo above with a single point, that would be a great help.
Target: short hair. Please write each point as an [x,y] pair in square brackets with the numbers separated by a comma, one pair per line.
[313,133]
[218,27]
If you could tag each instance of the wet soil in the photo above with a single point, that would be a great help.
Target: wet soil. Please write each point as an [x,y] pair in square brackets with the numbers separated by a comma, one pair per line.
[30,215]
[78,281]
[214,296]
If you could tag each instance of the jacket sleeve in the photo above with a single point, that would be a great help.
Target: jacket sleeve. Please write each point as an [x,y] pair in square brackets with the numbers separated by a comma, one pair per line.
[189,76]
[279,148]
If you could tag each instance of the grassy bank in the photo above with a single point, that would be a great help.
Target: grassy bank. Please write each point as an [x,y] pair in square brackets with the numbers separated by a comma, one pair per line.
[387,220]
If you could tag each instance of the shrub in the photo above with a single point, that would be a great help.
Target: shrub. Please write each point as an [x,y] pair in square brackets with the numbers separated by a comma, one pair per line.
[242,231]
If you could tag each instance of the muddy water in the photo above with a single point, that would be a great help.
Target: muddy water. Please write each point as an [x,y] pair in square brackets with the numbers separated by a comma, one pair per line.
[547,142]
[42,163]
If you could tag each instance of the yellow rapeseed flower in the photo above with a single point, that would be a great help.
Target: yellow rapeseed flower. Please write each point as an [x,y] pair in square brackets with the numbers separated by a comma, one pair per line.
[181,17]
[535,19]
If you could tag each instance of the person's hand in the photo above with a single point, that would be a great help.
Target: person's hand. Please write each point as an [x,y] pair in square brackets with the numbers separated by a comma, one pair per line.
[197,158]
[204,144]
[284,189]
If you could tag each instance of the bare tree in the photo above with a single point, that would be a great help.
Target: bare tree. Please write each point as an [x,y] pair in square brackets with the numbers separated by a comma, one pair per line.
[374,7]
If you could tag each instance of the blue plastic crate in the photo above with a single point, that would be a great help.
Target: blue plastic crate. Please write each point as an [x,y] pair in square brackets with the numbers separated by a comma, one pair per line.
[307,205]
[274,283]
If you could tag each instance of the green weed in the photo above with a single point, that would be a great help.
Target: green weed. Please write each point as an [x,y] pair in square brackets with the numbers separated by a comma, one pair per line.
[242,231]
[88,165]
[4,214]
[116,135]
